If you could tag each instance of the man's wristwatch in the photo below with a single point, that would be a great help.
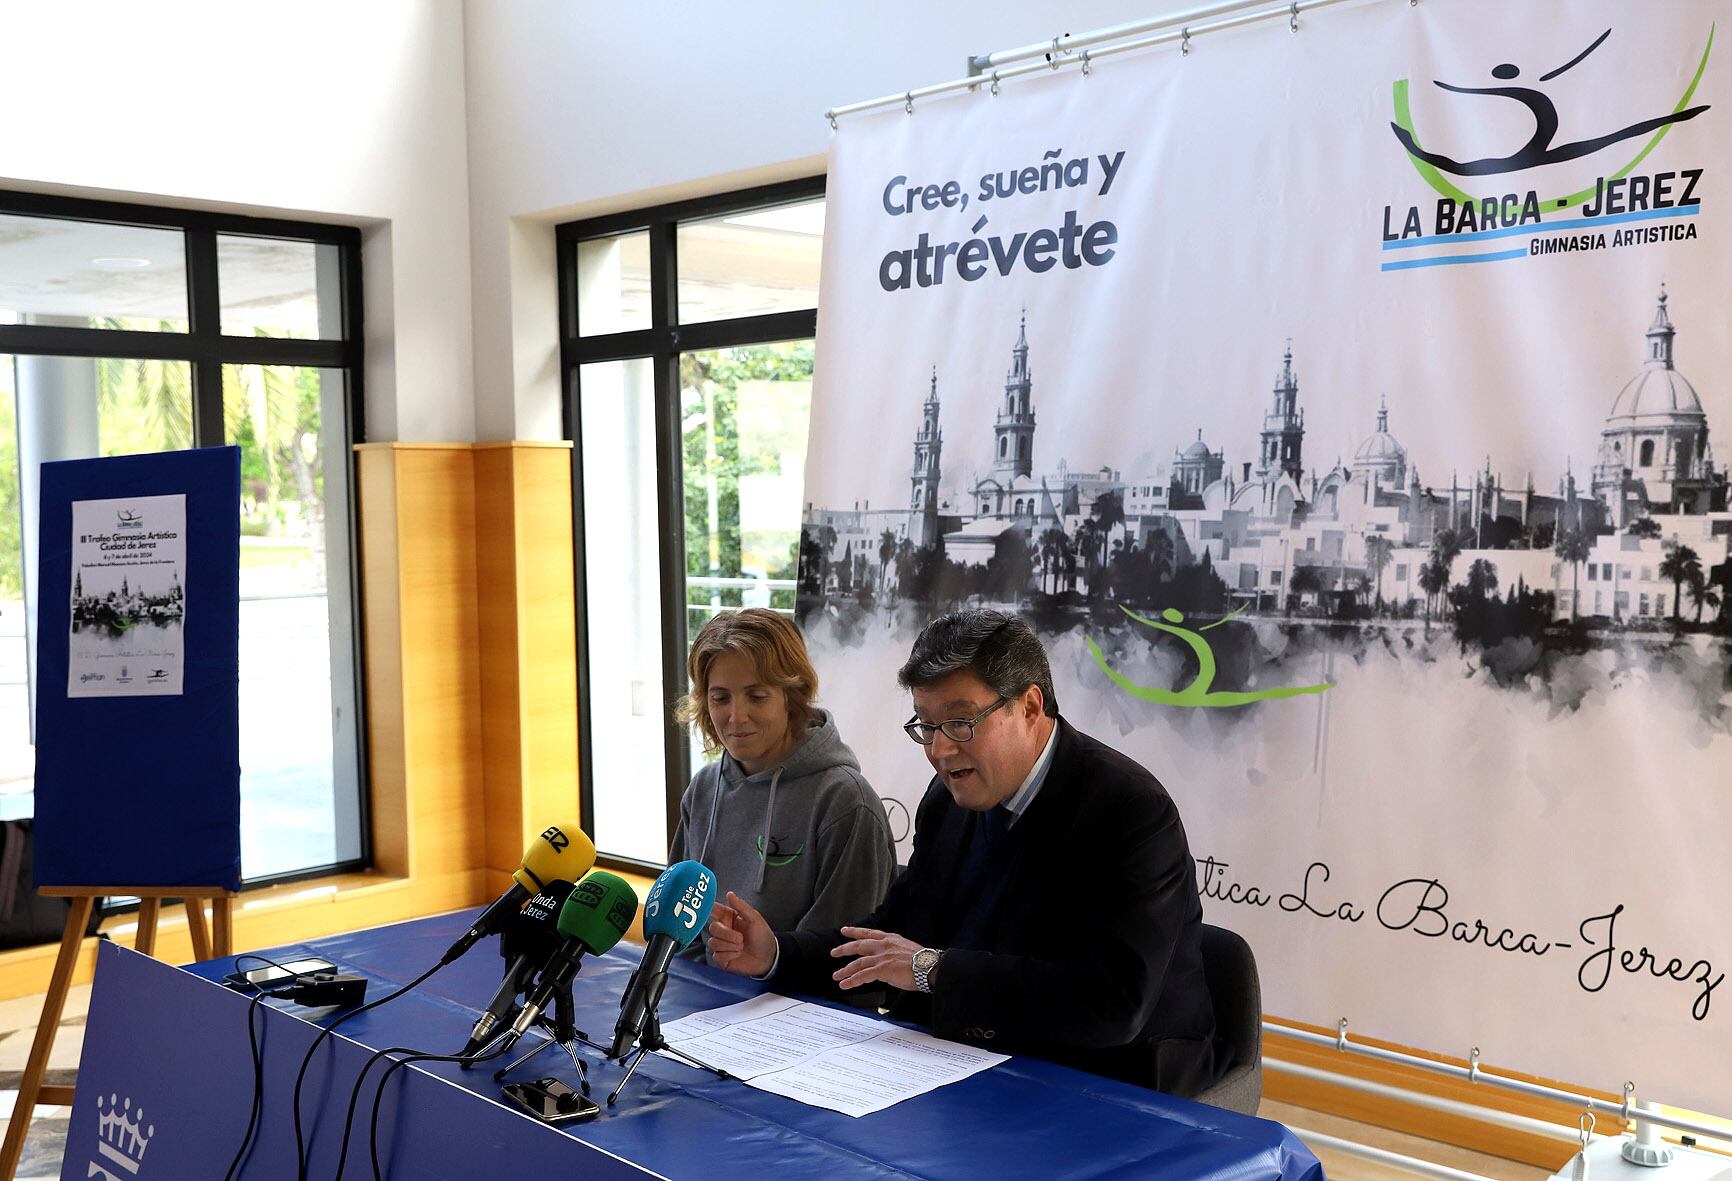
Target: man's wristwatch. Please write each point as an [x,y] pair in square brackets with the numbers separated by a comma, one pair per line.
[926,968]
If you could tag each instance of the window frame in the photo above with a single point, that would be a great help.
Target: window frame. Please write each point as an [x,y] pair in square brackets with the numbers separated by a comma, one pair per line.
[206,350]
[661,343]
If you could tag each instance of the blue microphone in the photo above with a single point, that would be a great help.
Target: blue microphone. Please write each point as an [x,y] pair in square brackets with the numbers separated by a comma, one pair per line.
[674,914]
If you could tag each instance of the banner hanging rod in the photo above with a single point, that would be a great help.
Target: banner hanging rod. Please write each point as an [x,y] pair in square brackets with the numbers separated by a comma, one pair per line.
[1092,47]
[1068,43]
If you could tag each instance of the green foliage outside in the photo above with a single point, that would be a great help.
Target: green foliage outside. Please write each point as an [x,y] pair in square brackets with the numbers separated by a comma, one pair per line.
[11,561]
[743,412]
[271,412]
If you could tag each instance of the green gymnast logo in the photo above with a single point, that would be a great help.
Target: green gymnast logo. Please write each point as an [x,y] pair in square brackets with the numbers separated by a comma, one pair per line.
[1197,693]
[774,857]
[1540,149]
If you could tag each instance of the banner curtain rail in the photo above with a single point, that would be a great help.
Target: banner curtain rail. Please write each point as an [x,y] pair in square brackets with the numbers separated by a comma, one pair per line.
[1183,34]
[1070,43]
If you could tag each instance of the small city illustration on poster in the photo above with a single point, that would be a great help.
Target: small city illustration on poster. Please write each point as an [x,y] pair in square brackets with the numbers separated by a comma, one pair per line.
[128,597]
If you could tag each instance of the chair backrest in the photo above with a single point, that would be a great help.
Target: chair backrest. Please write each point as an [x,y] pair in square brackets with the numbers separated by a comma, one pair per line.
[1231,972]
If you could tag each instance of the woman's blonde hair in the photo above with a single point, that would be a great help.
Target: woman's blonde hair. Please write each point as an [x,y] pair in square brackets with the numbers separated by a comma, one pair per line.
[776,650]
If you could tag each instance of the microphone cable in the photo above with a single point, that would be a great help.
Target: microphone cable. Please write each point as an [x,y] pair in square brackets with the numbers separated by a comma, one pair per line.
[300,1078]
[258,1060]
[379,1095]
[415,1055]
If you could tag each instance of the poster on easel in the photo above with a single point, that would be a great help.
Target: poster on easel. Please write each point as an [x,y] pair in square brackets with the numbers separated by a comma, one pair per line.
[138,657]
[128,597]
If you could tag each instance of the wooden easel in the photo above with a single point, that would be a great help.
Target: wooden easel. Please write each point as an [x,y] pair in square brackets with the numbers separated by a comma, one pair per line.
[31,1091]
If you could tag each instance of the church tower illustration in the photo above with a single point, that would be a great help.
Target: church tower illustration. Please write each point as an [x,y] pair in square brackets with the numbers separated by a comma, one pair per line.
[1283,426]
[1013,441]
[928,446]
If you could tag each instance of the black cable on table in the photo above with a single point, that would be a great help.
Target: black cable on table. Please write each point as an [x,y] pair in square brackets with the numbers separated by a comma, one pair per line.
[258,1060]
[300,1078]
[379,1095]
[355,1094]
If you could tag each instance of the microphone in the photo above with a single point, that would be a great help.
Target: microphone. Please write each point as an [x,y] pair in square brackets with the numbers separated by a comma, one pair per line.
[674,914]
[562,853]
[529,938]
[599,911]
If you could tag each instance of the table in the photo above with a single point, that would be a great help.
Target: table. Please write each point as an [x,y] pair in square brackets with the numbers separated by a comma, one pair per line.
[171,1043]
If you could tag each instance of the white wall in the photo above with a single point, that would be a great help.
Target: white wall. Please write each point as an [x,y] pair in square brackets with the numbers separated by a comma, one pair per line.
[579,109]
[334,111]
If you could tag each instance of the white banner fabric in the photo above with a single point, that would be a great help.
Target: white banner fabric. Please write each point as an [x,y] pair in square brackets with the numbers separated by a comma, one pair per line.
[1340,406]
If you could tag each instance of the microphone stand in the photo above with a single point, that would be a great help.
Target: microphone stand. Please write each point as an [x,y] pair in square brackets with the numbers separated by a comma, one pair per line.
[651,1039]
[560,1030]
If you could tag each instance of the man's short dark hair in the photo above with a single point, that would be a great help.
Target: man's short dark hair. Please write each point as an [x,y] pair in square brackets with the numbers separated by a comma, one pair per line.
[997,647]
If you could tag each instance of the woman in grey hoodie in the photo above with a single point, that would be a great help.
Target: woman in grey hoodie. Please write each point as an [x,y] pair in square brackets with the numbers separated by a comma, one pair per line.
[784,817]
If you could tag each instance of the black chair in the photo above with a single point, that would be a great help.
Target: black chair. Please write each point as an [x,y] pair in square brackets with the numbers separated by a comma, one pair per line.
[1231,972]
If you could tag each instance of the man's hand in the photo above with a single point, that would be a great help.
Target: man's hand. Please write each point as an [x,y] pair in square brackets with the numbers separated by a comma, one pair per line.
[739,939]
[883,956]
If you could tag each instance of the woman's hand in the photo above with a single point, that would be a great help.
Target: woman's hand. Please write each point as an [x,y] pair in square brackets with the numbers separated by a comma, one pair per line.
[739,939]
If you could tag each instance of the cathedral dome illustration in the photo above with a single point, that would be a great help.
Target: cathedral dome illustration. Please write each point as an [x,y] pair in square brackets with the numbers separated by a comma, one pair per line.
[1656,393]
[1197,450]
[1654,448]
[1659,392]
[1380,453]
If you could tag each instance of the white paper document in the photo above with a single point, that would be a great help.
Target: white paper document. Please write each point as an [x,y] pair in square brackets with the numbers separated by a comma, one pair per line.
[828,1058]
[128,597]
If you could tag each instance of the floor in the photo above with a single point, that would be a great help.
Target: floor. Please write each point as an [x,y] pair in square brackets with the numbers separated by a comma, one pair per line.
[47,1141]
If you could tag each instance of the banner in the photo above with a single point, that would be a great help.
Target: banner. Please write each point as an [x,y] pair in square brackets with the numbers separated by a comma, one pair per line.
[1340,406]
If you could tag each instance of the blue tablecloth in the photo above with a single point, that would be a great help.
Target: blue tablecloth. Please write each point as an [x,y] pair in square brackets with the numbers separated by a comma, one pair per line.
[1025,1118]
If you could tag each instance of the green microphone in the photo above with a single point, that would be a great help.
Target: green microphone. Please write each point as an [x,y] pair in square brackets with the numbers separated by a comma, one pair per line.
[597,913]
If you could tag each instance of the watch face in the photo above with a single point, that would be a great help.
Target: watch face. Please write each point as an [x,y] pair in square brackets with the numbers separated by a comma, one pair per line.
[924,959]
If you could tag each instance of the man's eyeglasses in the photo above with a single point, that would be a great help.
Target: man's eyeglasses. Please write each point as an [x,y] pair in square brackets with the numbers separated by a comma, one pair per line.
[956,729]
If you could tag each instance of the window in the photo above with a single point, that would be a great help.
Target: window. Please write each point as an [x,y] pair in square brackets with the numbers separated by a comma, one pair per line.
[1401,571]
[127,329]
[1592,570]
[1647,459]
[687,349]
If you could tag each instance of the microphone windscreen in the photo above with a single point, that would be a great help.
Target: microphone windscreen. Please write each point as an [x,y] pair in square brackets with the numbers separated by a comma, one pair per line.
[599,911]
[679,903]
[563,852]
[534,929]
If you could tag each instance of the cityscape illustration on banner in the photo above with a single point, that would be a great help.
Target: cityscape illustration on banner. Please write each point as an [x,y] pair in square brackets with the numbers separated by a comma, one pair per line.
[1398,576]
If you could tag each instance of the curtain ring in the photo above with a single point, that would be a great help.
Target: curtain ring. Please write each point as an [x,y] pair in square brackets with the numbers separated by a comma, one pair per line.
[995,82]
[1629,1094]
[1473,1065]
[1052,58]
[1184,42]
[908,101]
[1085,63]
[1293,18]
[1341,1034]
[831,116]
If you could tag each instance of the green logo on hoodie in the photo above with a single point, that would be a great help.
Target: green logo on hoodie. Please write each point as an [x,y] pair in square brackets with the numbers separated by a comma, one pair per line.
[775,858]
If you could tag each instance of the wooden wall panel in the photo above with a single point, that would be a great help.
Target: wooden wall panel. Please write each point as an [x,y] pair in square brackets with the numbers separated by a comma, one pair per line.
[528,642]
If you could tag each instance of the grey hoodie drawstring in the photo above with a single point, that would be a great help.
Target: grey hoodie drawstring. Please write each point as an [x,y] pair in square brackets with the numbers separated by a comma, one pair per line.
[715,806]
[764,841]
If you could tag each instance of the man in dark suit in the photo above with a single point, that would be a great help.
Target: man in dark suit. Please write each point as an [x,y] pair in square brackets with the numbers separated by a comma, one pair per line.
[1050,904]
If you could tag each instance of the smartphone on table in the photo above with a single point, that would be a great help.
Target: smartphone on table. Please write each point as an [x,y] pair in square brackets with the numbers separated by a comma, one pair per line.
[550,1101]
[268,975]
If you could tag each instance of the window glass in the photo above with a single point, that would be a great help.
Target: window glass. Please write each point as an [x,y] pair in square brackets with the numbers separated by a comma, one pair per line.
[750,264]
[622,592]
[276,287]
[54,408]
[299,795]
[87,274]
[613,284]
[17,747]
[743,417]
